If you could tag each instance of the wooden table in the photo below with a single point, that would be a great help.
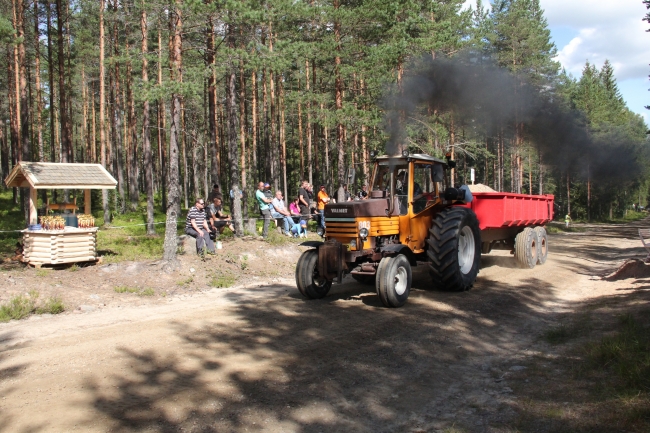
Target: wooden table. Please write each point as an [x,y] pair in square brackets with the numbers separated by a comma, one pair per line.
[53,247]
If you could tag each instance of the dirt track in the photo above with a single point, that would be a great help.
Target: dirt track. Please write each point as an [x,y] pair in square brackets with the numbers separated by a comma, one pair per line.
[264,359]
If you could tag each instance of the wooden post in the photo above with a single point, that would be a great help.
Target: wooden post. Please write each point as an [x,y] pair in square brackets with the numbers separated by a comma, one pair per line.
[87,209]
[33,216]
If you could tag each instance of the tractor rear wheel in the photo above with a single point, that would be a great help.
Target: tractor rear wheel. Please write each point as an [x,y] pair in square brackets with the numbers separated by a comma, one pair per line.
[542,245]
[309,282]
[526,248]
[393,283]
[454,249]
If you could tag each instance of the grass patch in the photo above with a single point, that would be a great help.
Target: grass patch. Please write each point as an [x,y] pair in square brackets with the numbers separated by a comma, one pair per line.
[53,305]
[222,281]
[17,308]
[42,272]
[148,291]
[22,306]
[185,282]
[625,353]
[74,268]
[126,289]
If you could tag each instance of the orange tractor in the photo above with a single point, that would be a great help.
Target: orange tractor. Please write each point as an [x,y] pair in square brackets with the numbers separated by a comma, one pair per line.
[413,215]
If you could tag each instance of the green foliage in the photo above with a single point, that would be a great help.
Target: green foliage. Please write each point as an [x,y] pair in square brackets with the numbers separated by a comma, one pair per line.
[53,305]
[22,306]
[17,308]
[126,289]
[148,291]
[222,281]
[626,353]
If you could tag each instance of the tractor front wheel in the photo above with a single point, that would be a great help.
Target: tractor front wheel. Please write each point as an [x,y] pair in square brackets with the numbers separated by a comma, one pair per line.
[309,282]
[393,283]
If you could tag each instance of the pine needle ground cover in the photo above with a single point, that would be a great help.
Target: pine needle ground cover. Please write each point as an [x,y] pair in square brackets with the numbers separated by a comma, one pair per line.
[595,376]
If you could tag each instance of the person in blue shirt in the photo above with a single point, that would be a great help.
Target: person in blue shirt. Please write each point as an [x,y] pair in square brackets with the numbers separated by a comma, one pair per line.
[299,229]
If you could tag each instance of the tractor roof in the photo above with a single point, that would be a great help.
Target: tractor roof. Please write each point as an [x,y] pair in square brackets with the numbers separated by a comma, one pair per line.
[414,156]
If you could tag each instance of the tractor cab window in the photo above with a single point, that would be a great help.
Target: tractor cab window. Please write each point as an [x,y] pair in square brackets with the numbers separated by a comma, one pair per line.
[424,188]
[381,182]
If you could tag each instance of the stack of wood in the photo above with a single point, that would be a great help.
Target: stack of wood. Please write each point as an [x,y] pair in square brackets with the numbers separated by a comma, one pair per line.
[51,248]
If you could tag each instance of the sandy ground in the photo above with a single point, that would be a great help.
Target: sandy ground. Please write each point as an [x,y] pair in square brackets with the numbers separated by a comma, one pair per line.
[258,357]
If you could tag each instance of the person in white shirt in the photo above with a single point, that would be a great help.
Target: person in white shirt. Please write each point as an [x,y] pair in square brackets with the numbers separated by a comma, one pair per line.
[281,211]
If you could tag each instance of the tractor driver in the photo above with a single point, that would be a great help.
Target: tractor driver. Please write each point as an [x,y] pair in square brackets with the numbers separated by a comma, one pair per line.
[402,185]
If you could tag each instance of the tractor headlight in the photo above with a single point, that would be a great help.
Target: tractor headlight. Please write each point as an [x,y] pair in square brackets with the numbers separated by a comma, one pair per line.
[320,231]
[363,233]
[353,243]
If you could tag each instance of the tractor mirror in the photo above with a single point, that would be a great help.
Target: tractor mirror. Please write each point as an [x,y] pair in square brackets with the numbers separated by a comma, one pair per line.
[438,173]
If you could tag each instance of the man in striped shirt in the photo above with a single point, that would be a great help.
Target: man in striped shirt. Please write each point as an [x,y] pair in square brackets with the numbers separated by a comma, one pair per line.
[197,227]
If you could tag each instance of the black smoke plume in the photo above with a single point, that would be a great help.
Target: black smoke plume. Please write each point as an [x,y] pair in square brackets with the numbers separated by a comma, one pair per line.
[491,99]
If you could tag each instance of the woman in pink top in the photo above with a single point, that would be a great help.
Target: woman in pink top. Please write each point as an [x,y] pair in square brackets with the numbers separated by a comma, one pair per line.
[294,208]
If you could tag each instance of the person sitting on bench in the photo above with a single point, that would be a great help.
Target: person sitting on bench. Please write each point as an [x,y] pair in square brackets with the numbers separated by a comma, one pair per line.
[280,211]
[197,227]
[217,220]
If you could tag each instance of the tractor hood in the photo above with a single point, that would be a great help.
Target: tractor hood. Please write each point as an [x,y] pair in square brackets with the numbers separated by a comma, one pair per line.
[373,207]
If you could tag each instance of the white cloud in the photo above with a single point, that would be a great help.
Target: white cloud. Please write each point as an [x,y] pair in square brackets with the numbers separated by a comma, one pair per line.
[606,30]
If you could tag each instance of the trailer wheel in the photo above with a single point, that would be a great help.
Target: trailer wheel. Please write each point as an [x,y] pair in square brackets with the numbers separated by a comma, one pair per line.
[526,248]
[310,284]
[393,283]
[454,249]
[542,245]
[364,279]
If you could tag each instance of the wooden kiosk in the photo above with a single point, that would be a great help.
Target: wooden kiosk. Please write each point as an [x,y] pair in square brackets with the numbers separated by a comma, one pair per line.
[71,244]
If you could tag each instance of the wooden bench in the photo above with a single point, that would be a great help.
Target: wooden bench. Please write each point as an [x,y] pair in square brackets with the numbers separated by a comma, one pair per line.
[644,234]
[61,206]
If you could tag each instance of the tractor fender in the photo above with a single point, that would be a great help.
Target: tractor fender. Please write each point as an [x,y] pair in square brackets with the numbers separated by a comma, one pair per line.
[395,249]
[314,244]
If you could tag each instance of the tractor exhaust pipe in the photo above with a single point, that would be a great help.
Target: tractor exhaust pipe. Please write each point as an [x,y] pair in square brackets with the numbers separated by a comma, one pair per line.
[391,200]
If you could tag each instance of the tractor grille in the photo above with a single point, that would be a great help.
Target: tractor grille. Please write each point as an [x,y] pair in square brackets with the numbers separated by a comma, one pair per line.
[342,227]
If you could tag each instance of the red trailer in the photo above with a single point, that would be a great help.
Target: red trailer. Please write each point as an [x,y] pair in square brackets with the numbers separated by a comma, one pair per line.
[514,221]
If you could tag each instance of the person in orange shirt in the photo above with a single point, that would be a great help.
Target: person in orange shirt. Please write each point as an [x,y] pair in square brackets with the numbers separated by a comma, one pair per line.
[323,198]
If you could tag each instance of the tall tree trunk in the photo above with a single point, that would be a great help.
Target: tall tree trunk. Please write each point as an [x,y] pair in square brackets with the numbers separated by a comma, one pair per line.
[66,127]
[265,114]
[173,210]
[186,186]
[4,150]
[283,140]
[146,139]
[162,128]
[339,100]
[254,114]
[102,109]
[233,159]
[212,102]
[242,131]
[131,136]
[568,192]
[13,114]
[50,68]
[310,127]
[25,148]
[37,76]
[300,143]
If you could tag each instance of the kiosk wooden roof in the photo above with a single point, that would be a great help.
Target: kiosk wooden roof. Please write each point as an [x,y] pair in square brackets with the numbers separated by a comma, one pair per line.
[53,175]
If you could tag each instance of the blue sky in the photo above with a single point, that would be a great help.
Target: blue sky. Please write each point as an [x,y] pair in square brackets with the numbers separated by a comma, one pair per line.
[599,30]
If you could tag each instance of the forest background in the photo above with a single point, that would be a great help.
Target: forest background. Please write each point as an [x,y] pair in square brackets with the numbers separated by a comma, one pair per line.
[172,96]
